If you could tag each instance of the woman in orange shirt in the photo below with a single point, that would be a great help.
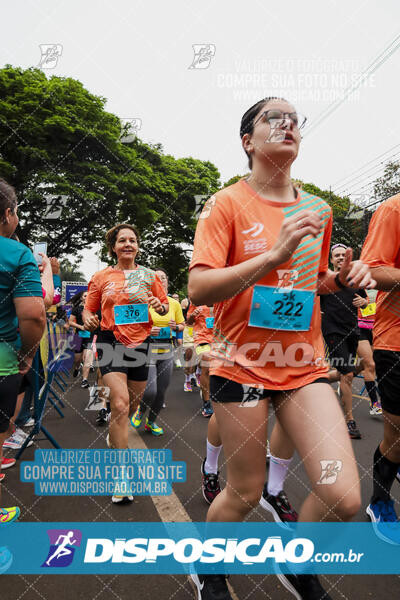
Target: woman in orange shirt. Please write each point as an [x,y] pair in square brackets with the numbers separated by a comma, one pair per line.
[124,293]
[260,257]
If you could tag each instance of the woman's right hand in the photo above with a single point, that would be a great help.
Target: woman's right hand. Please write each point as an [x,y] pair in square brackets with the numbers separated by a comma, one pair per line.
[293,230]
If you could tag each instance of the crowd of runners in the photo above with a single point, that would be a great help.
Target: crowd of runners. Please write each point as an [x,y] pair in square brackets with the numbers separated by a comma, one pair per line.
[265,321]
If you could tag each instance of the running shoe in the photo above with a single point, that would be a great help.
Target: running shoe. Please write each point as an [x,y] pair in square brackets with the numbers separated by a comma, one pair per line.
[75,372]
[354,433]
[197,376]
[178,363]
[85,383]
[7,515]
[382,516]
[211,587]
[2,475]
[16,440]
[279,506]
[29,423]
[6,463]
[375,409]
[304,587]
[153,428]
[210,485]
[194,381]
[136,419]
[101,418]
[121,499]
[187,387]
[207,410]
[91,368]
[6,559]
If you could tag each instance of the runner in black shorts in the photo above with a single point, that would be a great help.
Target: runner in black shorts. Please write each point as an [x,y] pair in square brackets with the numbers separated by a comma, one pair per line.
[123,293]
[341,334]
[382,252]
[260,256]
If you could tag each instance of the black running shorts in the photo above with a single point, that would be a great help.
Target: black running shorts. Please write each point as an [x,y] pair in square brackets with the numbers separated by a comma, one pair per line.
[117,358]
[9,389]
[225,390]
[342,351]
[387,364]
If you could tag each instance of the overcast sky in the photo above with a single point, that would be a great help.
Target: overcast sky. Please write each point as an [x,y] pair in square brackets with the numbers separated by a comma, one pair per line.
[138,55]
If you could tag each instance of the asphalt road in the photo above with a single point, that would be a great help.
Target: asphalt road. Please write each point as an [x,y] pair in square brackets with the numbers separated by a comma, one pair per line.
[185,433]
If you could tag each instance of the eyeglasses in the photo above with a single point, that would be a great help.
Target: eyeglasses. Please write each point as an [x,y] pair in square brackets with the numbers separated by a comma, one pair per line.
[338,246]
[297,119]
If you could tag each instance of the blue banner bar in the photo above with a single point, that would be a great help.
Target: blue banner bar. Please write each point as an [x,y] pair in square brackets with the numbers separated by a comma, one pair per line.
[183,548]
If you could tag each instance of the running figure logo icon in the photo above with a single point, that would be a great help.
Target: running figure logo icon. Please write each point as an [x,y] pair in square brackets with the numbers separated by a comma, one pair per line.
[287,277]
[50,55]
[63,543]
[251,395]
[330,470]
[203,53]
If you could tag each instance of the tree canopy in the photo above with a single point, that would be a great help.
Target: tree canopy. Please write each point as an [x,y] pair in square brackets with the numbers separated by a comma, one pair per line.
[75,179]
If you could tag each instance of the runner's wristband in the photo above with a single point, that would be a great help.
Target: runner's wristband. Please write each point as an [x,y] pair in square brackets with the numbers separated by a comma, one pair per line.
[339,283]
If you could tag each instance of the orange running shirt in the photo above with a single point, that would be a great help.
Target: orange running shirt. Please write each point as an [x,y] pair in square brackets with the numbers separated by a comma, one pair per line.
[235,225]
[201,333]
[111,287]
[382,249]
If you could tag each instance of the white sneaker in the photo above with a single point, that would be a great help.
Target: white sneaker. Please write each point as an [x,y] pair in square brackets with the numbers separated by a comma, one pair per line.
[121,499]
[16,441]
[30,422]
[178,363]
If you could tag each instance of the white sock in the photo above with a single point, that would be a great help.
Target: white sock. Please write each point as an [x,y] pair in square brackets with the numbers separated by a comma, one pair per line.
[187,378]
[211,464]
[198,371]
[278,467]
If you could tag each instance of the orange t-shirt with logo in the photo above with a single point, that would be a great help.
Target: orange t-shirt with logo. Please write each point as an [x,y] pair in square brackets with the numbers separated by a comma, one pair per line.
[382,249]
[201,333]
[235,225]
[112,287]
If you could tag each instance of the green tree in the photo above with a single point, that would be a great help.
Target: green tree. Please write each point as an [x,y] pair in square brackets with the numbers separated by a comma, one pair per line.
[62,152]
[69,271]
[389,183]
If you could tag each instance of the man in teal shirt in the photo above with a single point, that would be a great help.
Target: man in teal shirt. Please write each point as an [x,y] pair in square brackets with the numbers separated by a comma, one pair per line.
[22,316]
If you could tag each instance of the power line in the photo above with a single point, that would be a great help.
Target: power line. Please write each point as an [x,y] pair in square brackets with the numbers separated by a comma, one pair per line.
[374,66]
[373,160]
[374,169]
